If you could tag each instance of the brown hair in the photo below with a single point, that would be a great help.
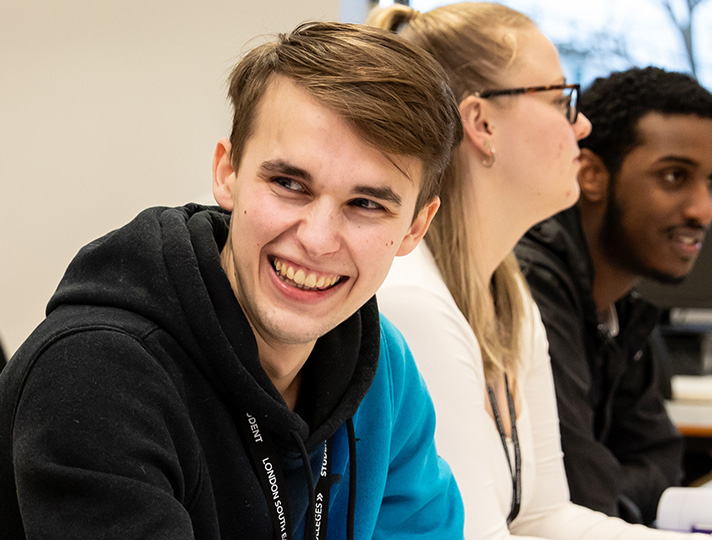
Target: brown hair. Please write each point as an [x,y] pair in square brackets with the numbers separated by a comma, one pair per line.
[475,43]
[395,96]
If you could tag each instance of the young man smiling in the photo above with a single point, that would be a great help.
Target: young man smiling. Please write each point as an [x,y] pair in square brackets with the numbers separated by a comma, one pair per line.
[210,373]
[646,183]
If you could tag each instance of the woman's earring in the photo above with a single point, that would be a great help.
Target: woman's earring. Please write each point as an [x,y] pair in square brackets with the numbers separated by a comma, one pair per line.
[492,158]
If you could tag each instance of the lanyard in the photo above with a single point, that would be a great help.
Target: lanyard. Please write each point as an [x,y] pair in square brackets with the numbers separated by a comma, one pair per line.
[515,471]
[323,487]
[269,473]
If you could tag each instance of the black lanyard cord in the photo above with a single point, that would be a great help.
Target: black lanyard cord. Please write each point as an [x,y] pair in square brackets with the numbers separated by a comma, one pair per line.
[269,473]
[515,471]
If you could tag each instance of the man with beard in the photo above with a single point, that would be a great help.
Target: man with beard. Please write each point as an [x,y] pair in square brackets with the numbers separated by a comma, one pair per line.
[645,179]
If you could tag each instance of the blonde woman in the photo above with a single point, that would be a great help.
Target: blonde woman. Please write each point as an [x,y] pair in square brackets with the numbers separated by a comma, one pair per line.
[461,301]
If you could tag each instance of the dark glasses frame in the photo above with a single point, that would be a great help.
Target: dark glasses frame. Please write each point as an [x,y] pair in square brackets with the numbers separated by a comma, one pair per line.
[571,111]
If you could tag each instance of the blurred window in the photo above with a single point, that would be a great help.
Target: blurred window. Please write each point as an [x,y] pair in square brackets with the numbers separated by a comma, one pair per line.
[595,37]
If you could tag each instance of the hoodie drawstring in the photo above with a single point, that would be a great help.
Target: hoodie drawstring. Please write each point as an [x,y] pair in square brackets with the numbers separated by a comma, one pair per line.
[310,527]
[309,532]
[352,480]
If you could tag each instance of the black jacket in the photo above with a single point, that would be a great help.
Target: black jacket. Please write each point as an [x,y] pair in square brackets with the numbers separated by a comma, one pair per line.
[620,449]
[130,394]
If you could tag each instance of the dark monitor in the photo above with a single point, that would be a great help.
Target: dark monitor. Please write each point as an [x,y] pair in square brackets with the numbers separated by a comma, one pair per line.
[695,291]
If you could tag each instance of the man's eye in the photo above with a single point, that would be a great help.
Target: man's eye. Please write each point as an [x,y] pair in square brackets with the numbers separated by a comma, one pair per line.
[288,183]
[367,204]
[674,176]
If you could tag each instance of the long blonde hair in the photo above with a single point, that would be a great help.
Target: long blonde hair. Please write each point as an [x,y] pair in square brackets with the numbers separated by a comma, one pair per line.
[475,43]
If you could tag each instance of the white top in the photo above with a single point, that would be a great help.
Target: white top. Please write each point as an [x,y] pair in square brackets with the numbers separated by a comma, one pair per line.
[416,299]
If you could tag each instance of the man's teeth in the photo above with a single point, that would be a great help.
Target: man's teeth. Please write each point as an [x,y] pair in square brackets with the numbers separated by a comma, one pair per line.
[301,278]
[689,240]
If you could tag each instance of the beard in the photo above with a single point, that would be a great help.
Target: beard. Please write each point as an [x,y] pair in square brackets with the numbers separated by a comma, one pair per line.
[619,247]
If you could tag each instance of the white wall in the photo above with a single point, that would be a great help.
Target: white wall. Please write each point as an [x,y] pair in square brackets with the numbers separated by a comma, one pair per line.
[107,107]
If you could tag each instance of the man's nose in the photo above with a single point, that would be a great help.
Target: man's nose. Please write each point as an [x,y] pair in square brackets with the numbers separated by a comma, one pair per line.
[699,202]
[319,230]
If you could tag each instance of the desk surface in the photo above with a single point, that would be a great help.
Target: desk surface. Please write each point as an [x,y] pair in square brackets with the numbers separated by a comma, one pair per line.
[691,406]
[692,419]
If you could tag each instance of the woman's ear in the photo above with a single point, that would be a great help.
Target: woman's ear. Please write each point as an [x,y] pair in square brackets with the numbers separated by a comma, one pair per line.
[476,122]
[223,174]
[593,178]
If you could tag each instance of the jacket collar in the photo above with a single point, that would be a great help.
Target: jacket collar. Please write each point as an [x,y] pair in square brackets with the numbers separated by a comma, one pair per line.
[563,235]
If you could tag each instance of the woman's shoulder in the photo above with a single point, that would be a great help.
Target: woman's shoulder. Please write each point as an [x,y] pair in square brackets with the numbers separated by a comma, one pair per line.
[414,289]
[414,294]
[417,269]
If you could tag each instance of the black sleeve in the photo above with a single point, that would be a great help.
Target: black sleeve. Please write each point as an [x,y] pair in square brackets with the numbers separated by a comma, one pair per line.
[592,470]
[642,437]
[97,444]
[620,480]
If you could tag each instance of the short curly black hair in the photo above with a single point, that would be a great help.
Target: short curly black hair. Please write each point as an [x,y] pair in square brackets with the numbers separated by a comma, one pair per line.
[616,103]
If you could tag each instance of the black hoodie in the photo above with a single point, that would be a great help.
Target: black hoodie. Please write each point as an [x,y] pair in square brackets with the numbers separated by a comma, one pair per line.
[620,449]
[146,363]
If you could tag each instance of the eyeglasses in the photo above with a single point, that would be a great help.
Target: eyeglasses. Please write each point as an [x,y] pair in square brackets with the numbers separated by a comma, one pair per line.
[569,99]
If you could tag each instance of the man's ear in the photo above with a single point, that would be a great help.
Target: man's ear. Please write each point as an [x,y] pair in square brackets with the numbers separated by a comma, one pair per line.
[476,123]
[593,178]
[419,227]
[223,174]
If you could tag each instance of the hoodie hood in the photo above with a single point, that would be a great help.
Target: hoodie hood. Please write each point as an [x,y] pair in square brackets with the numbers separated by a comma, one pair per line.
[165,267]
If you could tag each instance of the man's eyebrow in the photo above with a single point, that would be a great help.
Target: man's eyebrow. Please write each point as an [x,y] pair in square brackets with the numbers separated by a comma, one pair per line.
[383,193]
[679,159]
[279,166]
[682,159]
